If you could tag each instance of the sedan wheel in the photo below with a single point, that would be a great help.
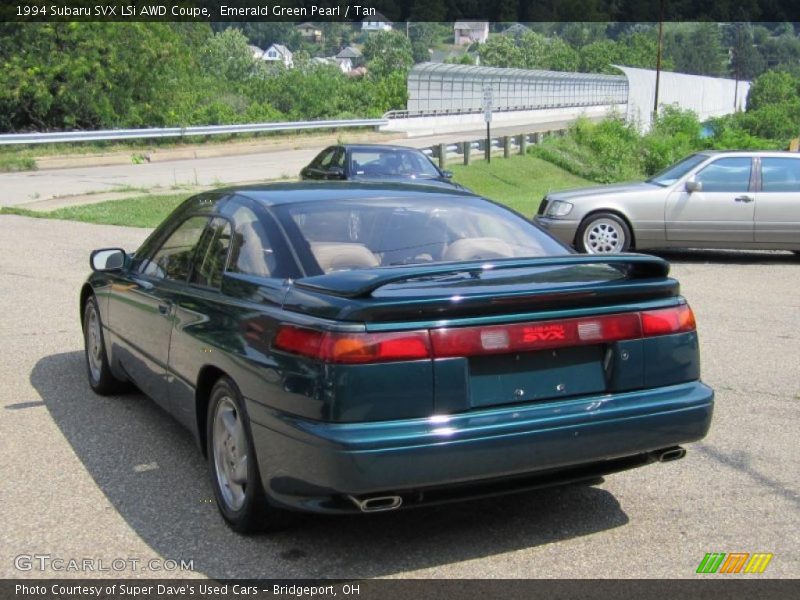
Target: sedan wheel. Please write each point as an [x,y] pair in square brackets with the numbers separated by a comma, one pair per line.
[234,469]
[604,233]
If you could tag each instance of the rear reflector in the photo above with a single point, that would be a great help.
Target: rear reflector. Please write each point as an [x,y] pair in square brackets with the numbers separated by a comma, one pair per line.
[523,337]
[360,348]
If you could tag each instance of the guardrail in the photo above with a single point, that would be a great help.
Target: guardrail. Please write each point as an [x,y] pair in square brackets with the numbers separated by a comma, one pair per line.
[507,144]
[443,112]
[165,132]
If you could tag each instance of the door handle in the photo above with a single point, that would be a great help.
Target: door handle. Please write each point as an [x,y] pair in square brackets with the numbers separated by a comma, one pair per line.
[164,308]
[744,199]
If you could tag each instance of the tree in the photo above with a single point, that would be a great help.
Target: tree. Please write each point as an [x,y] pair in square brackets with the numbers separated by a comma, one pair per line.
[773,87]
[227,55]
[387,52]
[500,51]
[695,48]
[746,60]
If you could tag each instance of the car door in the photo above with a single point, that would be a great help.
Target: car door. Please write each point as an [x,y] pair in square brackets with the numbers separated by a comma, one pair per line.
[200,319]
[142,311]
[777,214]
[720,212]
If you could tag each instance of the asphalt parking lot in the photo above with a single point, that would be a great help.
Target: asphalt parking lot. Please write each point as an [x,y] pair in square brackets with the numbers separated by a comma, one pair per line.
[110,478]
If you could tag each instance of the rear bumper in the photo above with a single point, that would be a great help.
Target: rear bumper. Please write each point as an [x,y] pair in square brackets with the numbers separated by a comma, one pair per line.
[562,229]
[310,465]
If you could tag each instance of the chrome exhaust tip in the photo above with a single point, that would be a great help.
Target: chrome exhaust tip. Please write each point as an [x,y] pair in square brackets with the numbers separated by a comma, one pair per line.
[671,454]
[377,503]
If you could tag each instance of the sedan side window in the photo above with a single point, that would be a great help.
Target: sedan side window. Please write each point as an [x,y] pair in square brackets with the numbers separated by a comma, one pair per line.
[173,260]
[726,175]
[212,254]
[780,174]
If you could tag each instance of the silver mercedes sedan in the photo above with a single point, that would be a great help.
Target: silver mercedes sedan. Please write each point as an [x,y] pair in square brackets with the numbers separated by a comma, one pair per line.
[741,200]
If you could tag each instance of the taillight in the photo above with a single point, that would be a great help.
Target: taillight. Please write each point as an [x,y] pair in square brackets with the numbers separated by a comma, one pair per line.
[354,348]
[669,320]
[360,348]
[375,347]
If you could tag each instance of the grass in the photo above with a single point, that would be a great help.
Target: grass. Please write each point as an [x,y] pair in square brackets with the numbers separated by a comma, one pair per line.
[141,211]
[519,181]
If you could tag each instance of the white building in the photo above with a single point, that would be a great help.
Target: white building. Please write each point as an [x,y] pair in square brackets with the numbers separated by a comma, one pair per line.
[376,22]
[278,53]
[469,32]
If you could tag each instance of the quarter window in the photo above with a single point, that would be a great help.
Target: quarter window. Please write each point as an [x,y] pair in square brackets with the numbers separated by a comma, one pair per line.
[780,174]
[212,254]
[726,175]
[252,252]
[173,260]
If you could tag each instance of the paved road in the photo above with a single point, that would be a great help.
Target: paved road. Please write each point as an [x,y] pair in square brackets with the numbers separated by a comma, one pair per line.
[108,478]
[36,186]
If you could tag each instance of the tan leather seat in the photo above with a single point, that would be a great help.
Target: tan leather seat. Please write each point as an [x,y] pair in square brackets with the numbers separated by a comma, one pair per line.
[478,249]
[341,256]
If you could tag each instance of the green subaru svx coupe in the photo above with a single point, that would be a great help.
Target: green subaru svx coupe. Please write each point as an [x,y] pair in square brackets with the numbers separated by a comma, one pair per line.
[351,347]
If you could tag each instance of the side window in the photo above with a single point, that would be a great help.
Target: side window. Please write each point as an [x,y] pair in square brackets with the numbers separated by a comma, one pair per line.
[726,175]
[173,259]
[780,174]
[338,160]
[212,254]
[252,252]
[323,161]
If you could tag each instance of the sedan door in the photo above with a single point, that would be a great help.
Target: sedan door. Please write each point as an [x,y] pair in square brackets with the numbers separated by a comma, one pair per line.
[777,219]
[142,310]
[721,212]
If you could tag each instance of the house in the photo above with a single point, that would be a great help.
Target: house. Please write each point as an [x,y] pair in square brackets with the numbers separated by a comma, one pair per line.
[309,32]
[469,32]
[517,30]
[343,64]
[352,54]
[277,53]
[376,22]
[258,53]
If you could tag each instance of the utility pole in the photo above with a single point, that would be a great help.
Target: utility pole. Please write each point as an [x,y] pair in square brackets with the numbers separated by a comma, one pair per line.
[658,56]
[735,57]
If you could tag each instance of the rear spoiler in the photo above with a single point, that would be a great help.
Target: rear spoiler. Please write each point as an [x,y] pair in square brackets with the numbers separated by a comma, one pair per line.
[360,283]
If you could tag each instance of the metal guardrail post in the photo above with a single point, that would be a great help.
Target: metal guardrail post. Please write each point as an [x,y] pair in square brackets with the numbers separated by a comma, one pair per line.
[442,156]
[506,146]
[467,150]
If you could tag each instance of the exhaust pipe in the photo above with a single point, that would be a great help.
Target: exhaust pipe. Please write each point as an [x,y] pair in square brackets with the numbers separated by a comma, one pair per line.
[670,454]
[377,503]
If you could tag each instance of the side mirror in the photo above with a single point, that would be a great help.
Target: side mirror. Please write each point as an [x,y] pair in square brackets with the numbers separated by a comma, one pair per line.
[336,172]
[107,259]
[447,174]
[694,186]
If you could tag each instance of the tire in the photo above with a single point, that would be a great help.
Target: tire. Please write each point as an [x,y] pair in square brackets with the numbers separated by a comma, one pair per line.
[235,479]
[98,371]
[603,233]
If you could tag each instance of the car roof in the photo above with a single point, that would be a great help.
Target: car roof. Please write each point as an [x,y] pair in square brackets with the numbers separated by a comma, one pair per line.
[275,194]
[781,153]
[374,147]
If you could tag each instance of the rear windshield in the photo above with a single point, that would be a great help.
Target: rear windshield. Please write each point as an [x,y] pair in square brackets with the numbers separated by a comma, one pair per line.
[391,162]
[357,234]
